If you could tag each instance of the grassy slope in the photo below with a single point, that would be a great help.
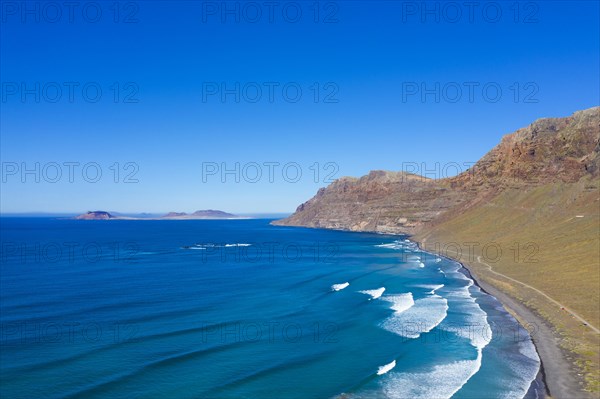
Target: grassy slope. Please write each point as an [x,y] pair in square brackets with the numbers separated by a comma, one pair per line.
[562,262]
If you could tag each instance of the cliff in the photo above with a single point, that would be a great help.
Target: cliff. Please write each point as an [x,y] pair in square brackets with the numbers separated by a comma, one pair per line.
[386,202]
[525,218]
[550,150]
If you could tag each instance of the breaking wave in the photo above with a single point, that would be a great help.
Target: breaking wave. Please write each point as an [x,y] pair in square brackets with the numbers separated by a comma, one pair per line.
[385,368]
[420,318]
[400,302]
[339,287]
[374,293]
[442,381]
[400,244]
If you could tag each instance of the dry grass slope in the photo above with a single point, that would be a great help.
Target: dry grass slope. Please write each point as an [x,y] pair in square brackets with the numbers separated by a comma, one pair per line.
[535,196]
[558,253]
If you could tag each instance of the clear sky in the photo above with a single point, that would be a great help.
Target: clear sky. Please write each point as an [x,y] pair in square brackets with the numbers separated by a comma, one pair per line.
[161,97]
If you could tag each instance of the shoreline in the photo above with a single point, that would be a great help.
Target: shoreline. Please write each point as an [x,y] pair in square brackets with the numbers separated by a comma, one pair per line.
[556,377]
[542,391]
[558,381]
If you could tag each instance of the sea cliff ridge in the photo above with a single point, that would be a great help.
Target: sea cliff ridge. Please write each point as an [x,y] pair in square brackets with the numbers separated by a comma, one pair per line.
[534,199]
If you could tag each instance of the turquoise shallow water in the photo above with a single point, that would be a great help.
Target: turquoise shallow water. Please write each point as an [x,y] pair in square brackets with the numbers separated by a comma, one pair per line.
[243,309]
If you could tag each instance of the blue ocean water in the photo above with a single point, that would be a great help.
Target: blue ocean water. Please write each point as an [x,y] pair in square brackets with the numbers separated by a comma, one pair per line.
[243,309]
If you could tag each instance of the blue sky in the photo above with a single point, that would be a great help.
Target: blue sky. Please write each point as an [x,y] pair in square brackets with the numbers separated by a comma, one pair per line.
[186,88]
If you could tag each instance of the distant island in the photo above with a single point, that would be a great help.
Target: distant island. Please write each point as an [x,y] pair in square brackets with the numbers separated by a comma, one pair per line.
[95,215]
[203,214]
[198,215]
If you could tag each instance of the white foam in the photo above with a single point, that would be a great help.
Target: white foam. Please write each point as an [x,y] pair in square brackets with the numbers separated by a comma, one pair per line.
[393,245]
[475,326]
[526,348]
[445,380]
[438,260]
[385,368]
[420,318]
[390,245]
[374,293]
[442,381]
[460,276]
[206,246]
[400,302]
[524,371]
[406,245]
[421,264]
[432,287]
[339,287]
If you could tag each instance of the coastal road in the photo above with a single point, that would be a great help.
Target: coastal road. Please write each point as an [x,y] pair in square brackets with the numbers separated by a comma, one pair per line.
[554,301]
[560,379]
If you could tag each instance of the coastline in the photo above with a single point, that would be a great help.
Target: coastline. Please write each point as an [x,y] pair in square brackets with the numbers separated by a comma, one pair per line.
[557,378]
[540,384]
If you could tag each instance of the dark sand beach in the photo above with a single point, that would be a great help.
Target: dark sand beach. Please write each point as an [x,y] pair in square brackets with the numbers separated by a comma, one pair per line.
[556,378]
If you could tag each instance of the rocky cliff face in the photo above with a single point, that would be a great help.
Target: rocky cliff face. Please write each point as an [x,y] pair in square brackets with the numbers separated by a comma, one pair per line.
[386,202]
[549,150]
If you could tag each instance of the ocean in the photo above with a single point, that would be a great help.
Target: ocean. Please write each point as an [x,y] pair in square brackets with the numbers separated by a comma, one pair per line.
[244,309]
